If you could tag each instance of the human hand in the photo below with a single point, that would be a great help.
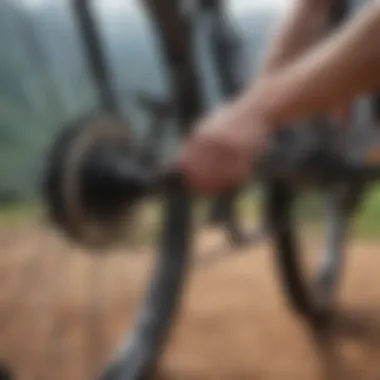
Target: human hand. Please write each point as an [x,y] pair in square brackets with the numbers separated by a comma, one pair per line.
[222,150]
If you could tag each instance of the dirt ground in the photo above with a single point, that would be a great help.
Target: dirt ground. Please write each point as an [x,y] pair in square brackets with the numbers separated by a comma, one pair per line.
[62,312]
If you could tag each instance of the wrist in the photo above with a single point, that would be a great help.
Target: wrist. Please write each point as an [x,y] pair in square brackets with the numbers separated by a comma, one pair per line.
[251,121]
[257,111]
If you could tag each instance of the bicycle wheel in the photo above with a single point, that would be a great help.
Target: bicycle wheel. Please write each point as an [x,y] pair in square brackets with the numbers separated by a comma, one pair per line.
[93,213]
[310,276]
[144,343]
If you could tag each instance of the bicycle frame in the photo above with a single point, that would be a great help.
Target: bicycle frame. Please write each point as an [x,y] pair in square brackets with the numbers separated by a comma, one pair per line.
[311,155]
[94,52]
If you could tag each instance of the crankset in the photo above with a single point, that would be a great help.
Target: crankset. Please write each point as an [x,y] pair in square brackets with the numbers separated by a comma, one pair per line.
[94,179]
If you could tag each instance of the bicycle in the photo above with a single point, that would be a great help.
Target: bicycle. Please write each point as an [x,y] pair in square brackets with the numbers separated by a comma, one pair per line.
[222,47]
[96,177]
[96,174]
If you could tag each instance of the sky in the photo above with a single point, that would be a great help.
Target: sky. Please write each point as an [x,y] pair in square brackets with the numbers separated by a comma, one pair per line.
[238,6]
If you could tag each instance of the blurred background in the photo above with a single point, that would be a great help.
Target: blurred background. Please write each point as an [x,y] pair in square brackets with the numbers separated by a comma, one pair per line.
[62,311]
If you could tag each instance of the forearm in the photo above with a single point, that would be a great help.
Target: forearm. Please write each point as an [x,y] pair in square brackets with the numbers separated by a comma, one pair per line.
[336,70]
[305,24]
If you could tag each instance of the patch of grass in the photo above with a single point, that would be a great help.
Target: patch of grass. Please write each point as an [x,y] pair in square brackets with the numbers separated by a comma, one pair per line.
[367,219]
[13,214]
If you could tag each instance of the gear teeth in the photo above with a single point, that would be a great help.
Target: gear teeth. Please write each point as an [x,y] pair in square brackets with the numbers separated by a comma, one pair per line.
[68,152]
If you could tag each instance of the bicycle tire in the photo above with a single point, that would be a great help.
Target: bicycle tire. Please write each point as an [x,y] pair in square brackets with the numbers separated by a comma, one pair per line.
[280,201]
[138,356]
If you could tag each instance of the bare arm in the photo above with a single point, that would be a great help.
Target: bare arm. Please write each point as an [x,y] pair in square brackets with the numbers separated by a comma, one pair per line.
[341,67]
[304,25]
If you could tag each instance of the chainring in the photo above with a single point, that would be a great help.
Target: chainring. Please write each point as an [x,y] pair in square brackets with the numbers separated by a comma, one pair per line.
[64,187]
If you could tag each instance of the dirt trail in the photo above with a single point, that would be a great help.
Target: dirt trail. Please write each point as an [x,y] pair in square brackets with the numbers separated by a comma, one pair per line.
[234,324]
